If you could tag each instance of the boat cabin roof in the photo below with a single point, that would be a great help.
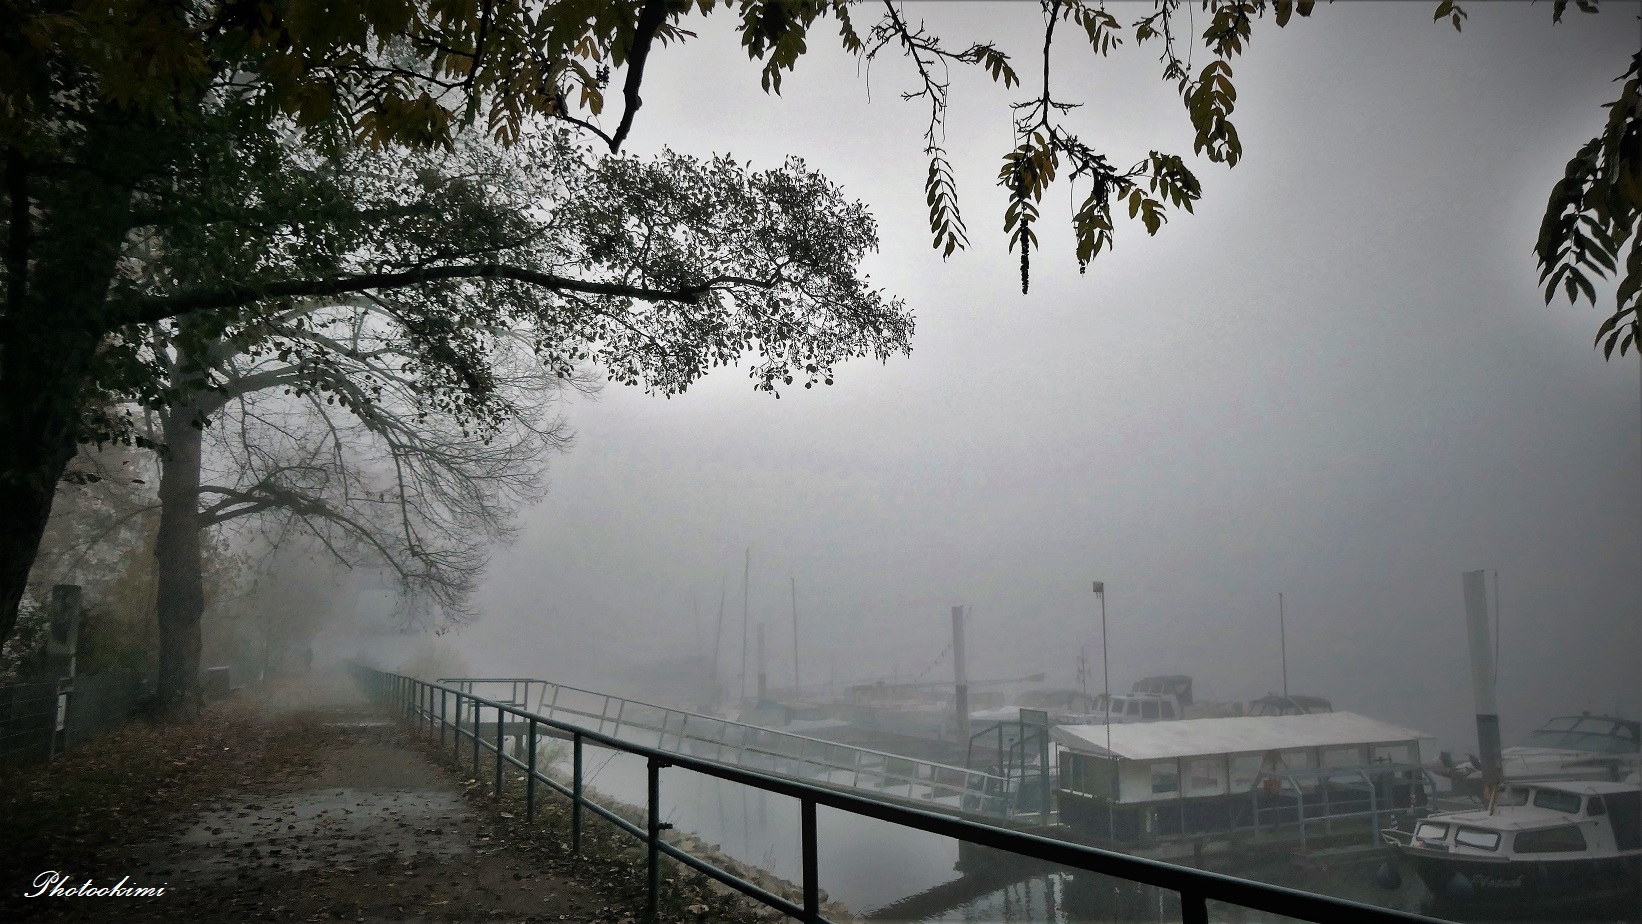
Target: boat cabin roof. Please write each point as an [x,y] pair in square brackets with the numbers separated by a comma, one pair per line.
[1581,787]
[1237,735]
[1530,809]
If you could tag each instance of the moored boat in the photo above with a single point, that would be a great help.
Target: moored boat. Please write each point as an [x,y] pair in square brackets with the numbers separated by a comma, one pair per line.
[1574,747]
[1143,782]
[1554,849]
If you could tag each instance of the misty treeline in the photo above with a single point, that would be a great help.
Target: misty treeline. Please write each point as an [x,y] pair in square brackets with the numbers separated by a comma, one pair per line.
[388,220]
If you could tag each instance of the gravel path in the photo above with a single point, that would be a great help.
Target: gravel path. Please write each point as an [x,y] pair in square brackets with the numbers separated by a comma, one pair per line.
[352,822]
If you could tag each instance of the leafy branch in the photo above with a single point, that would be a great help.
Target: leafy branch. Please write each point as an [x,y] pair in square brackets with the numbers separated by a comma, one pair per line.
[1594,211]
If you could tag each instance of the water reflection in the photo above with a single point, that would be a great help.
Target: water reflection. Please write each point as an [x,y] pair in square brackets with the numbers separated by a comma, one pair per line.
[889,873]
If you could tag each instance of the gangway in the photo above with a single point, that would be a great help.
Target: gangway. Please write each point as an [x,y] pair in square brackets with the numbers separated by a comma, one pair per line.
[890,777]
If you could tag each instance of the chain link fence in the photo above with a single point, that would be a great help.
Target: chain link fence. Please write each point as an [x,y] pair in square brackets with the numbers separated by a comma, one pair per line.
[38,721]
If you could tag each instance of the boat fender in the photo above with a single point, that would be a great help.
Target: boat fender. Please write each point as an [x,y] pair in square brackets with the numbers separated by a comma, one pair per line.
[1388,878]
[1459,889]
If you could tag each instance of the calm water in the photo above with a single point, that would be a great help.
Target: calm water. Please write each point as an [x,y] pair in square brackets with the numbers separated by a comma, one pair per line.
[872,866]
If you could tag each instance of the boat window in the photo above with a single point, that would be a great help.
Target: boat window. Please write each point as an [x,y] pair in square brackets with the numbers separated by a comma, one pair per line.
[1512,797]
[1148,710]
[1473,837]
[1165,777]
[1168,710]
[1562,724]
[1587,741]
[1594,806]
[1557,801]
[1133,709]
[1244,769]
[1545,738]
[1561,839]
[1431,831]
[1342,757]
[1300,760]
[1205,776]
[1393,754]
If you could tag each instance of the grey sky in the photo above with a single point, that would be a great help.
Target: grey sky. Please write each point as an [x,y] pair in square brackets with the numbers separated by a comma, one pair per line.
[1336,380]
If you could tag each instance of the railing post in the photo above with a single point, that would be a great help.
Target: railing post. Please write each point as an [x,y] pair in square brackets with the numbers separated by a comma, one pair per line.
[1194,908]
[576,795]
[456,732]
[530,777]
[499,723]
[652,906]
[812,886]
[442,705]
[476,713]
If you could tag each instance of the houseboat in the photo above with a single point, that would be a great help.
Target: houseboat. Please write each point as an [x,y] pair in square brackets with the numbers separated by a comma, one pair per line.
[1550,849]
[1149,781]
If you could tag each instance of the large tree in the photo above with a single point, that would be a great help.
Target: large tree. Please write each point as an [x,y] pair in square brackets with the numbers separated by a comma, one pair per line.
[130,194]
[103,107]
[435,382]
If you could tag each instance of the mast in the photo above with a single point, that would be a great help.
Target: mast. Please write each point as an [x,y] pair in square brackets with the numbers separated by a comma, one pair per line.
[1283,640]
[795,684]
[718,637]
[761,674]
[746,570]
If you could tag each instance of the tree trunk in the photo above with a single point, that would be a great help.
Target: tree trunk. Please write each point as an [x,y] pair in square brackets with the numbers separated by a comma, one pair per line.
[64,232]
[61,244]
[31,463]
[180,599]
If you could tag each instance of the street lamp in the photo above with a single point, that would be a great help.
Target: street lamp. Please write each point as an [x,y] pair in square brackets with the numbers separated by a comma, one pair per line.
[1106,685]
[1105,671]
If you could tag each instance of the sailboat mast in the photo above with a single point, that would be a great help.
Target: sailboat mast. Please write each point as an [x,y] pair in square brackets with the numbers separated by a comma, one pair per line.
[718,638]
[795,682]
[746,570]
[1283,640]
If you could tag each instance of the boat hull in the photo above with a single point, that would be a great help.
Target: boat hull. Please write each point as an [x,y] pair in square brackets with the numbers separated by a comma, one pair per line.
[1468,887]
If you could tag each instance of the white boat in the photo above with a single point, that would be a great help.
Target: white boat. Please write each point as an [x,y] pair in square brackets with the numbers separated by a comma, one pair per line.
[1574,747]
[1548,849]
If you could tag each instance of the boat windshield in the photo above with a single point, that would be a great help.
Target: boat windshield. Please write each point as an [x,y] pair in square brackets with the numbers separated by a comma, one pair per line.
[1604,736]
[1557,801]
[1431,831]
[1512,797]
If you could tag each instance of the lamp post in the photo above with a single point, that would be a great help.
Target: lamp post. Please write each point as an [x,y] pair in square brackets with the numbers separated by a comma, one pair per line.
[1106,689]
[1105,666]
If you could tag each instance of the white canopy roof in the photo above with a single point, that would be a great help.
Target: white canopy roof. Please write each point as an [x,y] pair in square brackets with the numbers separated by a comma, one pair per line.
[1196,737]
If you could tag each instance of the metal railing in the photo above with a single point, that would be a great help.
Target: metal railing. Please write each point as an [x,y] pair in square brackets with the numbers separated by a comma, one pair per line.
[922,783]
[430,705]
[38,721]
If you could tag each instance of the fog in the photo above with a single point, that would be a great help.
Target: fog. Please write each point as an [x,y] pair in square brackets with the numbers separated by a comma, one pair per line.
[1338,380]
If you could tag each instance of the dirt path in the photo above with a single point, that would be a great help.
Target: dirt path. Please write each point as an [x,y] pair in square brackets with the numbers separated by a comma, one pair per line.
[339,815]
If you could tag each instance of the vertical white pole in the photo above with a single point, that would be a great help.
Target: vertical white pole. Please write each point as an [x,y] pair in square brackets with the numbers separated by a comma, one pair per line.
[761,672]
[1482,676]
[746,570]
[1283,640]
[960,669]
[795,681]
